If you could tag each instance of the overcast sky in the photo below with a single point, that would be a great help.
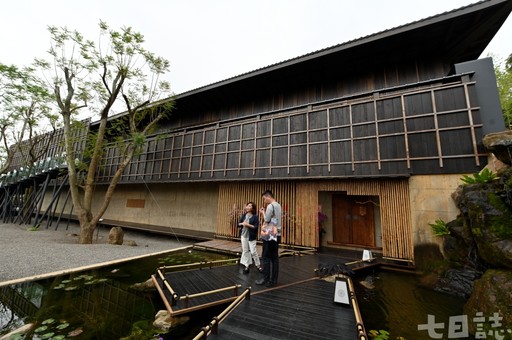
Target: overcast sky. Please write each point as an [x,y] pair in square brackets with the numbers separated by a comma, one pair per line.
[210,40]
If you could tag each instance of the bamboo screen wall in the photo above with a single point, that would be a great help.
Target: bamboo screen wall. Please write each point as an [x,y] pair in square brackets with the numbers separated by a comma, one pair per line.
[300,205]
[427,129]
[233,197]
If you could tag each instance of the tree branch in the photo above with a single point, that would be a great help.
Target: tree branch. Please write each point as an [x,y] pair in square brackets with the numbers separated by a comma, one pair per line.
[104,78]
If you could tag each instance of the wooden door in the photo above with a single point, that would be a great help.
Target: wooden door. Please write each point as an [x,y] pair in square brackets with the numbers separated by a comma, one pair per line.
[353,220]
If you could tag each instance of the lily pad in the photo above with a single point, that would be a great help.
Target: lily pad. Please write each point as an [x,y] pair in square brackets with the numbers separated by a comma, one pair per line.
[71,288]
[59,337]
[102,280]
[77,278]
[48,321]
[59,286]
[65,281]
[47,335]
[41,329]
[63,325]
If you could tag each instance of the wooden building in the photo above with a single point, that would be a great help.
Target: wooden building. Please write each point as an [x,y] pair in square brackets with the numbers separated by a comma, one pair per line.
[372,135]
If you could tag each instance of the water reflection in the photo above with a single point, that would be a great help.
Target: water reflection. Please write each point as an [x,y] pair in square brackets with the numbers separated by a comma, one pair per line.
[398,304]
[19,302]
[97,304]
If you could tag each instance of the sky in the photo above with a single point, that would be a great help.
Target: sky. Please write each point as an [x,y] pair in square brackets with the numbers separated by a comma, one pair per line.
[210,40]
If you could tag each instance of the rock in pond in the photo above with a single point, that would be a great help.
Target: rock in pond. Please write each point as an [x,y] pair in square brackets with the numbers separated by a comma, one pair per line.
[165,322]
[144,286]
[457,281]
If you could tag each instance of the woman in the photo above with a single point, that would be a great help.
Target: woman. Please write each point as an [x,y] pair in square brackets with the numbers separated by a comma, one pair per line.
[248,235]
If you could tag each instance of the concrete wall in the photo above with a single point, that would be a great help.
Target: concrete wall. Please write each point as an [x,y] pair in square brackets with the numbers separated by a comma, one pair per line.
[184,205]
[430,200]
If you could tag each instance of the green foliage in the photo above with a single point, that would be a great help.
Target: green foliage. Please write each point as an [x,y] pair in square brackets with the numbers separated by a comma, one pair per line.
[25,114]
[485,176]
[439,228]
[382,335]
[503,71]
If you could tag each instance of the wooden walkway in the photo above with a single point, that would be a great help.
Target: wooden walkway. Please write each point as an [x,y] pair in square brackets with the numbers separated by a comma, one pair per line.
[300,307]
[301,311]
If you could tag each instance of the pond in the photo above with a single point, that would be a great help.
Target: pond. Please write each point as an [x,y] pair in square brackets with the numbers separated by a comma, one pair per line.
[97,304]
[101,304]
[398,304]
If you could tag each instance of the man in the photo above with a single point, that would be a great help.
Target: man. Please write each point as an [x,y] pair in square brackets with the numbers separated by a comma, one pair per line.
[271,237]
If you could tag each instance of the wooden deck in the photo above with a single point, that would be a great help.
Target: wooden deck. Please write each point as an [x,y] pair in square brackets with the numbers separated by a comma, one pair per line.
[300,307]
[302,311]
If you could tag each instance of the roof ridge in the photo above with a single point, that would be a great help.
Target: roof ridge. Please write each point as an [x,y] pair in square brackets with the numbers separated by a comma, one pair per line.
[333,47]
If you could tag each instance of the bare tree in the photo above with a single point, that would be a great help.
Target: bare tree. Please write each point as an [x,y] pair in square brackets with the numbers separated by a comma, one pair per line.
[119,70]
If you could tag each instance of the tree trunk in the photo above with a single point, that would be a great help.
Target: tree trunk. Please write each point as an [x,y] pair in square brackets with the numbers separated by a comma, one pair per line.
[86,232]
[87,226]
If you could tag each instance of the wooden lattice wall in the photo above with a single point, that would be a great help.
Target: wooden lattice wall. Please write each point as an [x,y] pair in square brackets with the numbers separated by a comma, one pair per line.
[300,205]
[430,128]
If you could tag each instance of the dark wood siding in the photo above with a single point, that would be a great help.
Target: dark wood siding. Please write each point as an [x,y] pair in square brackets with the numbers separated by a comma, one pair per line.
[300,89]
[424,129]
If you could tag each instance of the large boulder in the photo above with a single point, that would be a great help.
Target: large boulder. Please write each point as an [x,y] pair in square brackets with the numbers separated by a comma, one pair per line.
[460,247]
[492,293]
[489,219]
[116,236]
[500,144]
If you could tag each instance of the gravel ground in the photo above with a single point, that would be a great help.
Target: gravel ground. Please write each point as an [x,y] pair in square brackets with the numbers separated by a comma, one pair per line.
[25,253]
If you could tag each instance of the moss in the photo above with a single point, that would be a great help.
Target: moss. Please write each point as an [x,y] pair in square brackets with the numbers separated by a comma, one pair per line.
[500,225]
[491,294]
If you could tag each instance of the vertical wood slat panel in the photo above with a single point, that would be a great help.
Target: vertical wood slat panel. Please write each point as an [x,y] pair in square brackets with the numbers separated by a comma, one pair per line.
[233,197]
[299,201]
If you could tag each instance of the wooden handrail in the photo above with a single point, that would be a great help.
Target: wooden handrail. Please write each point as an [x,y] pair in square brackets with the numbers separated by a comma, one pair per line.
[162,295]
[175,296]
[213,326]
[361,331]
[220,290]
